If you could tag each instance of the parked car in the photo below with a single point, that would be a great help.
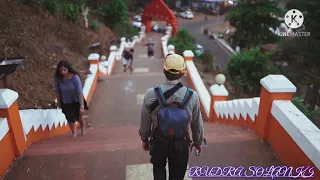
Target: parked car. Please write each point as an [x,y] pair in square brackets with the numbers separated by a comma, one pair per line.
[137,24]
[187,15]
[282,28]
[159,28]
[137,18]
[199,50]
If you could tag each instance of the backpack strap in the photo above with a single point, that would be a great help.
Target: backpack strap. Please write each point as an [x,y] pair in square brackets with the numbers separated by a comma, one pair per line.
[166,95]
[162,101]
[186,100]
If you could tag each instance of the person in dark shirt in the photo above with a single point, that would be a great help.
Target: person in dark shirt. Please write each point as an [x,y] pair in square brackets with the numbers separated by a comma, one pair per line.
[150,46]
[127,58]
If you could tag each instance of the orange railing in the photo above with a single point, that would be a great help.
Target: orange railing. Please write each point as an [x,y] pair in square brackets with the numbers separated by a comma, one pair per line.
[20,128]
[293,137]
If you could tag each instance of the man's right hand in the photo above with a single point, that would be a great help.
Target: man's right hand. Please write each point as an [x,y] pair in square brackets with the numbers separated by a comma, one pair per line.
[145,145]
[197,146]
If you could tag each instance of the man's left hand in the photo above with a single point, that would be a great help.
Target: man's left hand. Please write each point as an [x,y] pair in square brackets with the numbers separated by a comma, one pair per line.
[82,111]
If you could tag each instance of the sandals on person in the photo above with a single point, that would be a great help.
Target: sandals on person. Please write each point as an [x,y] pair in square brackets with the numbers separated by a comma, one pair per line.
[74,134]
[83,132]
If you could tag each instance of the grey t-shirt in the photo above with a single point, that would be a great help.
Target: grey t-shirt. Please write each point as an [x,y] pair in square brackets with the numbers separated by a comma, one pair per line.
[69,89]
[150,46]
[149,119]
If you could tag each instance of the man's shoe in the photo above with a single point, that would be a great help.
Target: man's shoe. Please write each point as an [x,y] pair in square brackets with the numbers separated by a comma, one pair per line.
[74,134]
[83,132]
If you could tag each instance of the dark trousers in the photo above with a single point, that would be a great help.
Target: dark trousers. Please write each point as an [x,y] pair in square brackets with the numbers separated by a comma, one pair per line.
[150,53]
[177,155]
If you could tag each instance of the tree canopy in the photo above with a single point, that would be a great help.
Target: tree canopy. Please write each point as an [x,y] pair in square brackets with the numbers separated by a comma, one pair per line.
[182,41]
[114,12]
[247,68]
[303,53]
[252,20]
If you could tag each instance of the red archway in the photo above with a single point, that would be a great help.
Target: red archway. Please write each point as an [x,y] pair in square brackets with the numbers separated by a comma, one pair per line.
[159,9]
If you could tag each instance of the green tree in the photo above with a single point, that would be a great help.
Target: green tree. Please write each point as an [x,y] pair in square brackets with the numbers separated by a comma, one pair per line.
[252,20]
[302,53]
[208,60]
[69,8]
[71,11]
[126,30]
[311,12]
[246,69]
[53,6]
[94,25]
[182,41]
[315,117]
[304,108]
[114,12]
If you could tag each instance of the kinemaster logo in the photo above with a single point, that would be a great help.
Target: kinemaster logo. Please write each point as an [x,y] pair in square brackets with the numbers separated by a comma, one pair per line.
[294,20]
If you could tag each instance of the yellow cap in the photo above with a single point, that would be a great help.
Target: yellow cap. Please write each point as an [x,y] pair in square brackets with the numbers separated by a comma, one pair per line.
[174,62]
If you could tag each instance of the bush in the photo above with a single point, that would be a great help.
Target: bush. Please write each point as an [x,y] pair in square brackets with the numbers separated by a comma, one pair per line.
[126,30]
[52,6]
[78,3]
[208,60]
[246,69]
[182,41]
[94,25]
[314,115]
[304,108]
[115,12]
[71,11]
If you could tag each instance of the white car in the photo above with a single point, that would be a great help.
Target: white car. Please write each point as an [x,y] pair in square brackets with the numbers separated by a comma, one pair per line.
[155,27]
[199,50]
[137,18]
[137,24]
[282,28]
[187,15]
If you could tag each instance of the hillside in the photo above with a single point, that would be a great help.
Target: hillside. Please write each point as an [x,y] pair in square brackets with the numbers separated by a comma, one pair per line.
[44,40]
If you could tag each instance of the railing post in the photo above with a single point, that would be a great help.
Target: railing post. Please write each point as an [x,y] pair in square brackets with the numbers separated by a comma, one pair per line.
[171,49]
[188,55]
[94,59]
[123,40]
[113,49]
[274,87]
[218,93]
[123,44]
[143,29]
[169,30]
[163,45]
[10,110]
[135,39]
[141,35]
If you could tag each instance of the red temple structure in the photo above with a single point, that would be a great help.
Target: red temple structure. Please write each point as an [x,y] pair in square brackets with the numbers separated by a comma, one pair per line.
[159,10]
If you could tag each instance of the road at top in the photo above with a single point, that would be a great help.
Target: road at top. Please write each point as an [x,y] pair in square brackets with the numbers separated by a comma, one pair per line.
[194,27]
